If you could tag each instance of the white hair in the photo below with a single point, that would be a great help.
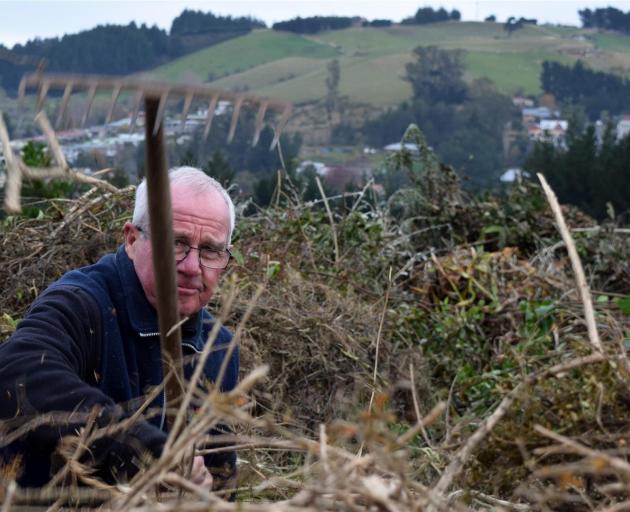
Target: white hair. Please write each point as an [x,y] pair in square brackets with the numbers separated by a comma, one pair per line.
[191,177]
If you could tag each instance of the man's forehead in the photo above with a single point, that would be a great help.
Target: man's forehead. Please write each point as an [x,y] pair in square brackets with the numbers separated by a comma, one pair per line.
[204,204]
[192,218]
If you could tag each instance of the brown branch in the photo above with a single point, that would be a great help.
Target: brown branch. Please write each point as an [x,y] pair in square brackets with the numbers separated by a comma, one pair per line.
[461,457]
[78,210]
[585,292]
[599,229]
[615,463]
[8,499]
[330,218]
[17,169]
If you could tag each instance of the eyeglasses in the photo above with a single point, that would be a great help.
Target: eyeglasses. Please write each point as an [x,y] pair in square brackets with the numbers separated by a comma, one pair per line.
[208,258]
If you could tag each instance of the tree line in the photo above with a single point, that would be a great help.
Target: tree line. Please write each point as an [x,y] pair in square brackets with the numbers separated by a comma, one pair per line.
[426,15]
[595,91]
[314,24]
[124,49]
[608,18]
[462,123]
[197,22]
[591,174]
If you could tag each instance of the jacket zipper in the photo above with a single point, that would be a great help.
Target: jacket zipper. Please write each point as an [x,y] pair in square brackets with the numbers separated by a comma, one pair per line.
[150,334]
[163,393]
[195,349]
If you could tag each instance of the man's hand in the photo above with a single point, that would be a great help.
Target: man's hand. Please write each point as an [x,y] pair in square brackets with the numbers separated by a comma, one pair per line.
[199,474]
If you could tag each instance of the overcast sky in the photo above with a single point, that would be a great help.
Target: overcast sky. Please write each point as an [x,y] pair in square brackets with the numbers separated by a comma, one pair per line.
[21,20]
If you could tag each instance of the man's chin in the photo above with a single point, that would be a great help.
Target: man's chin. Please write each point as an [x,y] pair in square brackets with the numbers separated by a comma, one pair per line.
[189,305]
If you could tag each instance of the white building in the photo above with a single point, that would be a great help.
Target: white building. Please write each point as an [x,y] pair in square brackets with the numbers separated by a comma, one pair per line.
[397,146]
[513,174]
[320,168]
[623,127]
[550,130]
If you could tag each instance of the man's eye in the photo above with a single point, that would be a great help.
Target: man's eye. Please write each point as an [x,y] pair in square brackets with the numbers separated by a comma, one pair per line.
[180,243]
[209,253]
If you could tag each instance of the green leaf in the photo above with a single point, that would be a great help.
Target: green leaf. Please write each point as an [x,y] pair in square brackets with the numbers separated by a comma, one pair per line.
[492,229]
[624,305]
[9,321]
[273,268]
[544,309]
[238,256]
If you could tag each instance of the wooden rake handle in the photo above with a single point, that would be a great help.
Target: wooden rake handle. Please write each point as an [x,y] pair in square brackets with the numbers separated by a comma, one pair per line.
[161,222]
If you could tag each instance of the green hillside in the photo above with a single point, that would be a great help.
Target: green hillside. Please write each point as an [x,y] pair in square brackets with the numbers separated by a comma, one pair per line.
[239,54]
[373,60]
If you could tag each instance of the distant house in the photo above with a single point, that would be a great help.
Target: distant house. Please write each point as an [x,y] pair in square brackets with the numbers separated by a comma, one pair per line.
[623,127]
[320,168]
[397,146]
[550,130]
[536,114]
[522,102]
[554,125]
[513,174]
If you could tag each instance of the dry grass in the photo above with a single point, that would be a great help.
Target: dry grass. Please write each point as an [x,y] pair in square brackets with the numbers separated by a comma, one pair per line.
[552,434]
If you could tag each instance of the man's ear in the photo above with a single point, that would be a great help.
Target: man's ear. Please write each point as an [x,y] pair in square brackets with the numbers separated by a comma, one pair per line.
[131,237]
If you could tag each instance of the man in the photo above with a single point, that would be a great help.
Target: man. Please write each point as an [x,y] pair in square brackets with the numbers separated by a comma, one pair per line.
[92,340]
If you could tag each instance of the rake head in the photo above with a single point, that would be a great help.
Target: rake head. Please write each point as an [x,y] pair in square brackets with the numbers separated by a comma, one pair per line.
[44,82]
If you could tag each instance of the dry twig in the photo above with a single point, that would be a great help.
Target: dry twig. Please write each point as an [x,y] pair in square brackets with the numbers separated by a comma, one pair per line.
[461,457]
[585,292]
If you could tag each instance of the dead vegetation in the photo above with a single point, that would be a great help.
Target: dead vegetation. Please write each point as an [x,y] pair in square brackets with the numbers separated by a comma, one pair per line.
[432,354]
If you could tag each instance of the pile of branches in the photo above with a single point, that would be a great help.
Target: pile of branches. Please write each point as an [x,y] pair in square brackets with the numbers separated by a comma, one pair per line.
[68,234]
[382,369]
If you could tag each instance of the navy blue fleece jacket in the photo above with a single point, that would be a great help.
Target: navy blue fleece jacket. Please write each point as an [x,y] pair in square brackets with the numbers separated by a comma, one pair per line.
[92,339]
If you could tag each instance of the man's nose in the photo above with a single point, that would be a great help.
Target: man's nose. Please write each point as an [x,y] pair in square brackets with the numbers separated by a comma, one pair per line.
[190,263]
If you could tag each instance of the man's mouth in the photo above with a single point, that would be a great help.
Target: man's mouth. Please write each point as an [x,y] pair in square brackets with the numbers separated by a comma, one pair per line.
[187,290]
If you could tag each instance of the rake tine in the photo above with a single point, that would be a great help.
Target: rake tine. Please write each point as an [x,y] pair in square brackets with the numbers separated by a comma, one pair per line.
[90,100]
[187,103]
[42,120]
[43,92]
[135,109]
[64,104]
[260,117]
[13,183]
[115,94]
[21,93]
[280,126]
[160,112]
[211,108]
[237,109]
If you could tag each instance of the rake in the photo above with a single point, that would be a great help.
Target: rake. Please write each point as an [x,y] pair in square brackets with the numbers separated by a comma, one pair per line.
[155,95]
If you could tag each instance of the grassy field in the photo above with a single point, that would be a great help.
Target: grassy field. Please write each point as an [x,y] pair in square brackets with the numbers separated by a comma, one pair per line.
[373,60]
[612,42]
[509,72]
[242,53]
[366,80]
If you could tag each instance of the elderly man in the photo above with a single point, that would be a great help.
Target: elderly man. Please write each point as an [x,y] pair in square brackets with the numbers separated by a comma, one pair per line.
[92,340]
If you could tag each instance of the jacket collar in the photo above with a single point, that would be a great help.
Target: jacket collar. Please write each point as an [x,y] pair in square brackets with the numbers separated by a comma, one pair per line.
[142,315]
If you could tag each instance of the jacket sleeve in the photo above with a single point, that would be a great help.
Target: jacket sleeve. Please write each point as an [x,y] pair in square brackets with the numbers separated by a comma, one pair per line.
[49,364]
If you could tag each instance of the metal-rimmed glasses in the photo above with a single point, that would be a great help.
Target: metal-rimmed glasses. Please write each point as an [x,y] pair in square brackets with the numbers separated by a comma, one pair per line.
[208,258]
